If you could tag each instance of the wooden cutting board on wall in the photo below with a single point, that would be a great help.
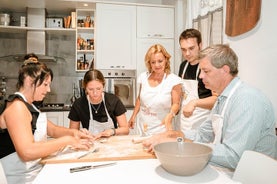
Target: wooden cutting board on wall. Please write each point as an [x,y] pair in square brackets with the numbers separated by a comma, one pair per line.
[241,16]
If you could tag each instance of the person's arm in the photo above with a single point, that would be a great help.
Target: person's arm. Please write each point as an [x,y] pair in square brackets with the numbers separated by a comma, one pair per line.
[123,128]
[20,131]
[175,107]
[205,103]
[248,118]
[168,136]
[132,120]
[74,124]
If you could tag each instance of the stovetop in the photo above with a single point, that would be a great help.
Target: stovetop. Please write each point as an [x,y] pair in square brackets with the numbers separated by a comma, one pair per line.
[54,107]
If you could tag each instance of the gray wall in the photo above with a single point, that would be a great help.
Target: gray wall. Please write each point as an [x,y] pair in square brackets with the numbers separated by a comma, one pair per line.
[58,45]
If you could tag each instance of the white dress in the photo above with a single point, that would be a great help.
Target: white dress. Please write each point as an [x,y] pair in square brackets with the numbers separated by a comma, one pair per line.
[155,102]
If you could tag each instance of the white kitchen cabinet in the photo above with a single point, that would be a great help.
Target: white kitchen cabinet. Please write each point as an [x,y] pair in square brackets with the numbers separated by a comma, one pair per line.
[116,36]
[84,39]
[66,119]
[58,117]
[55,117]
[155,22]
[155,25]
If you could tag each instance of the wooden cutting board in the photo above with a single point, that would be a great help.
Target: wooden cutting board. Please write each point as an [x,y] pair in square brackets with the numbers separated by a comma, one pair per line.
[241,16]
[110,149]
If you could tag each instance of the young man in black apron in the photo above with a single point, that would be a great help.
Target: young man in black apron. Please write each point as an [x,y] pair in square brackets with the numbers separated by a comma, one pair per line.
[197,100]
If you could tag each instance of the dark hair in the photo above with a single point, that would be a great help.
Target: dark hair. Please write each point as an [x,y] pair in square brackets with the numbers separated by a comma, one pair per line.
[191,33]
[91,75]
[30,55]
[34,69]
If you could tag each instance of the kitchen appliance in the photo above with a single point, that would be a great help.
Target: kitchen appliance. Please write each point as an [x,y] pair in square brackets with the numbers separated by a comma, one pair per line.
[52,106]
[54,22]
[122,83]
[36,37]
[4,19]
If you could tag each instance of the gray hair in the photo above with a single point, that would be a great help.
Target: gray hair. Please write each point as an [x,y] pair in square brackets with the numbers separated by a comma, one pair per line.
[220,55]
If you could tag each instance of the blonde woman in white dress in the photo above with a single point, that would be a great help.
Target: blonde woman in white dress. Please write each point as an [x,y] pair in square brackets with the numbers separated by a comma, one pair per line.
[159,94]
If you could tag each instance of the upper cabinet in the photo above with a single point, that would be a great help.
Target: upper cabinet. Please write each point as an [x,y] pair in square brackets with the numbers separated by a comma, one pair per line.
[155,22]
[84,39]
[116,36]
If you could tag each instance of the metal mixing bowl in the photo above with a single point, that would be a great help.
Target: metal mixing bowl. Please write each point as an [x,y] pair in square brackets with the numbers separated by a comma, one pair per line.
[181,158]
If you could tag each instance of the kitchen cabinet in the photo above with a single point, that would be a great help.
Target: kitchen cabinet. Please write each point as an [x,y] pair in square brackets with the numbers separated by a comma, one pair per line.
[116,32]
[84,39]
[155,22]
[55,117]
[58,117]
[155,25]
[66,120]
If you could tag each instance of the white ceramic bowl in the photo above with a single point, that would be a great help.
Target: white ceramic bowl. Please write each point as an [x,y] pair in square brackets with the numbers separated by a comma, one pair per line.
[181,158]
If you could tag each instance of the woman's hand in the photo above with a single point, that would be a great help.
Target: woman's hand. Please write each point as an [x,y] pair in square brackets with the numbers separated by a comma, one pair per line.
[105,133]
[78,143]
[83,139]
[84,134]
[131,123]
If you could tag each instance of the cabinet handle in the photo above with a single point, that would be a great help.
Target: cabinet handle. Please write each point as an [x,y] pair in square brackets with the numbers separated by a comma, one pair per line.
[158,35]
[155,35]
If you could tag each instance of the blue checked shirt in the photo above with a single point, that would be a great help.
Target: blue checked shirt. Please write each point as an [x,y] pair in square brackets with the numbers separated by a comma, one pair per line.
[249,124]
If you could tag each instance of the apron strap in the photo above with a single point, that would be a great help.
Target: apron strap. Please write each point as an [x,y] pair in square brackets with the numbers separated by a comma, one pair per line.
[106,110]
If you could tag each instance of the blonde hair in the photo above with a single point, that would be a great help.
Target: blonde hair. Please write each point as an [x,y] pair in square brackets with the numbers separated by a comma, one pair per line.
[154,49]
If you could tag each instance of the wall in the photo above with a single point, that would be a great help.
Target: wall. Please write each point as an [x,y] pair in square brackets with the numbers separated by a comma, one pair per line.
[257,51]
[61,46]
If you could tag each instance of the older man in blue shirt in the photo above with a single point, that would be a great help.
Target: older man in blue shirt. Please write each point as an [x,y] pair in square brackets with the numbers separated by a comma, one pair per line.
[242,117]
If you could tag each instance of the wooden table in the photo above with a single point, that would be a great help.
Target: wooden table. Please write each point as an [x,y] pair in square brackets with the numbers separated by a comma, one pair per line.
[109,149]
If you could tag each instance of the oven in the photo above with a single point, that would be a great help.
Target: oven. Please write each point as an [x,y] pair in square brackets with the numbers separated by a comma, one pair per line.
[122,83]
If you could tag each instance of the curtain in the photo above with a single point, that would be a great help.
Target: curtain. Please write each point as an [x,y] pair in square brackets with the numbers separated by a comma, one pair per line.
[207,17]
[210,26]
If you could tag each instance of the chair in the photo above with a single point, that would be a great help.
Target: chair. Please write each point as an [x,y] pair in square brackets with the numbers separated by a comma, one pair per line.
[3,179]
[256,168]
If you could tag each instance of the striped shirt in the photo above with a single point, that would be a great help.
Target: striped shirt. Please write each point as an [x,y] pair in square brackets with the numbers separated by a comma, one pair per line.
[248,124]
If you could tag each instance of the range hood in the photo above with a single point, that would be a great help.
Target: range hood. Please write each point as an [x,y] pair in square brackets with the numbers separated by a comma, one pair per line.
[36,39]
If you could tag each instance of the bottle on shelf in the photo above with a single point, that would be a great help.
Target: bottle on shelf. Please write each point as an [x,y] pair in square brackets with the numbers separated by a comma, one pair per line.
[91,67]
[74,97]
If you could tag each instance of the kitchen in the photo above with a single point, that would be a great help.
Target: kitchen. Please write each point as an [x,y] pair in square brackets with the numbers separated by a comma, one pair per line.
[59,48]
[60,45]
[64,69]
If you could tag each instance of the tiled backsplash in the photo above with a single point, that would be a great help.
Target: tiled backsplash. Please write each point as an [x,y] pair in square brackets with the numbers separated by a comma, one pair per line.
[60,46]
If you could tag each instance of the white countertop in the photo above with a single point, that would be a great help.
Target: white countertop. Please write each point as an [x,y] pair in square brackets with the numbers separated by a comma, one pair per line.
[126,171]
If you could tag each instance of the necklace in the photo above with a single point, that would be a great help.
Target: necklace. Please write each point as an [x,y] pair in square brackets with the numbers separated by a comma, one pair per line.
[97,108]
